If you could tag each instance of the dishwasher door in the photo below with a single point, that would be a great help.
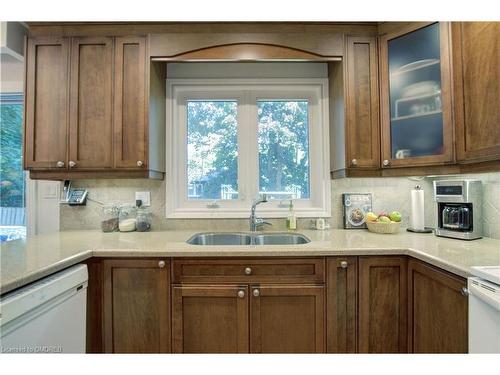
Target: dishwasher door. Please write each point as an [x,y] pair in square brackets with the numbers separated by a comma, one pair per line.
[48,316]
[484,316]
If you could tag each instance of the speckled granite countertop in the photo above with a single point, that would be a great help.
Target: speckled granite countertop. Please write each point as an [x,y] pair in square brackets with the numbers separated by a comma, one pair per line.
[25,261]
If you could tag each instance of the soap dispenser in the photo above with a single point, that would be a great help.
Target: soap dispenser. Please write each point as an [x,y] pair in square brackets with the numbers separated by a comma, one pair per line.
[291,219]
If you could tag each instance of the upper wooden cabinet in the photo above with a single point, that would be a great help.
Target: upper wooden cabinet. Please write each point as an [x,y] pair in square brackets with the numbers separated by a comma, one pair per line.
[47,103]
[354,109]
[91,128]
[476,67]
[416,105]
[362,103]
[130,109]
[437,310]
[88,105]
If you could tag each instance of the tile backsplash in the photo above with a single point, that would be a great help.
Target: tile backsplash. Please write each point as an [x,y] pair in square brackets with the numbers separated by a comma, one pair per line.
[388,194]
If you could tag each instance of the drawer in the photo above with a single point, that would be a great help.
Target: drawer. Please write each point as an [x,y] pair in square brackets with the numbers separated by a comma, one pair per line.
[276,270]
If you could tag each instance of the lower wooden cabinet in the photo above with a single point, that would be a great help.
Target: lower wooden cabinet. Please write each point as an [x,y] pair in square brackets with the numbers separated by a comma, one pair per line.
[382,304]
[437,310]
[242,319]
[210,319]
[342,304]
[287,319]
[366,304]
[136,306]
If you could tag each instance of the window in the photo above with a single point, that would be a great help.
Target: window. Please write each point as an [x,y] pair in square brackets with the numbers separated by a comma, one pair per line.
[231,140]
[12,186]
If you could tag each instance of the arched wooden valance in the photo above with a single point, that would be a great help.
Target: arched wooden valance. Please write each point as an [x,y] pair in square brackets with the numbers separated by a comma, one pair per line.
[247,52]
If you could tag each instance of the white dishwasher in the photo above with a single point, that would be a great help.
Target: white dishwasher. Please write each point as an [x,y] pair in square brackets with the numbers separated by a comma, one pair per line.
[484,310]
[48,316]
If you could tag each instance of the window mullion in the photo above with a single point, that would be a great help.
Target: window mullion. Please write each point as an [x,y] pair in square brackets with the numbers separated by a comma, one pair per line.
[253,151]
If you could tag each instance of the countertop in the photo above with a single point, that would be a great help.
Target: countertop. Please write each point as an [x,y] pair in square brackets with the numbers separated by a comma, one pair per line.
[25,261]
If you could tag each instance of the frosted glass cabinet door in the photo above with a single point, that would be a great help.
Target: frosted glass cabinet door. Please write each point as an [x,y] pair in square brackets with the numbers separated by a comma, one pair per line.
[416,121]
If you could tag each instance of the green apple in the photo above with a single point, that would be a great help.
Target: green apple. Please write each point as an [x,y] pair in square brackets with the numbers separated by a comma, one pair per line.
[395,216]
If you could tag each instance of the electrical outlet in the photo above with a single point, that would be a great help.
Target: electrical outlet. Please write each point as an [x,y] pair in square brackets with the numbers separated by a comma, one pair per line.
[144,196]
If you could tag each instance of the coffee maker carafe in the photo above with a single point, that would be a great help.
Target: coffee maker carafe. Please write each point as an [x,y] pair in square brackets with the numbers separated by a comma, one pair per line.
[459,209]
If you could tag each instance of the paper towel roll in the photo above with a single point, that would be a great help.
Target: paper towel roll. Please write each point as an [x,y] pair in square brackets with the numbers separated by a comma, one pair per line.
[417,209]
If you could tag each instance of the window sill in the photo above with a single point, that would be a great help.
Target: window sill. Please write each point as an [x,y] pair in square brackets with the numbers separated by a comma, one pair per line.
[244,214]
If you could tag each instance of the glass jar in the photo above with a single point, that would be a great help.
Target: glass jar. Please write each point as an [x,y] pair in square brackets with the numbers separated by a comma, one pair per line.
[127,218]
[143,219]
[109,218]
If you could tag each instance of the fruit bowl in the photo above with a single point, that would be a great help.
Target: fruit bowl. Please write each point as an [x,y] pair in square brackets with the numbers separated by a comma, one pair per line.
[383,228]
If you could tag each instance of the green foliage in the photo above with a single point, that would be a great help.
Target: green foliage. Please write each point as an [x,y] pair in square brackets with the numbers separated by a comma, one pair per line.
[283,146]
[11,170]
[213,146]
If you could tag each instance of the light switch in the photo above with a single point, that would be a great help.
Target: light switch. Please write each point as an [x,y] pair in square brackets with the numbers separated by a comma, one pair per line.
[144,196]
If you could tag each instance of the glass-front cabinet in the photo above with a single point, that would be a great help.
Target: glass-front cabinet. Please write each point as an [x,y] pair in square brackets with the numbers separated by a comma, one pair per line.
[415,93]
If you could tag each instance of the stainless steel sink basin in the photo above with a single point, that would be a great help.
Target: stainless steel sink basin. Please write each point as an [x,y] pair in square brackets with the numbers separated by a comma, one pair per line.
[280,239]
[222,239]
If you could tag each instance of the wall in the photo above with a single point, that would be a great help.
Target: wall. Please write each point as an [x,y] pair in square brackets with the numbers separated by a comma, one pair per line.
[388,194]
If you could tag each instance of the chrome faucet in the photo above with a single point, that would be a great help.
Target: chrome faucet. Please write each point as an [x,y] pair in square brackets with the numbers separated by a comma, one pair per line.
[256,222]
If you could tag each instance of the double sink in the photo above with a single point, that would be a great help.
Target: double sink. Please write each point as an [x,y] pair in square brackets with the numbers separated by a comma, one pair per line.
[221,239]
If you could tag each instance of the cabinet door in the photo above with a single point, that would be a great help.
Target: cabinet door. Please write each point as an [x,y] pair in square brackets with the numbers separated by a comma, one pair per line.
[382,304]
[130,113]
[416,96]
[437,310]
[91,103]
[341,304]
[287,319]
[476,61]
[362,103]
[210,319]
[46,112]
[136,306]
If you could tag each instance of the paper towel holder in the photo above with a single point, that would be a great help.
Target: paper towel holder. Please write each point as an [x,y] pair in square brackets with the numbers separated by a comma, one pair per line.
[426,229]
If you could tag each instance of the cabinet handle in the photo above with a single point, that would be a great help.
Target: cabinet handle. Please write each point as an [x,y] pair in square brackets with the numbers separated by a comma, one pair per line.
[248,271]
[464,291]
[60,164]
[343,264]
[241,294]
[161,264]
[256,292]
[386,163]
[354,162]
[72,164]
[140,163]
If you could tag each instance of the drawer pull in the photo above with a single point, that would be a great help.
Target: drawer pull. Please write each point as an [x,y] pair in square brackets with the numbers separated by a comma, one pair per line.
[256,292]
[343,264]
[161,264]
[464,291]
[241,294]
[248,271]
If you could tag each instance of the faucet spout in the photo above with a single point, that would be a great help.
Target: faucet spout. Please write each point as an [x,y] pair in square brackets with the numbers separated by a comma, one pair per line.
[256,222]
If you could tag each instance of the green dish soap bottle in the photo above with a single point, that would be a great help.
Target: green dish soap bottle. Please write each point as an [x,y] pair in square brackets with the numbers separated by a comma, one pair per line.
[291,219]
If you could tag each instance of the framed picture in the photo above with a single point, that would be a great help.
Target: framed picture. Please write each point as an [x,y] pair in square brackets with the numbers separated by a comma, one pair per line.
[355,208]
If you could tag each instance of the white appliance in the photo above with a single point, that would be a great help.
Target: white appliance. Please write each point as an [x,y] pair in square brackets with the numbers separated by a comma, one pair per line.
[484,310]
[47,316]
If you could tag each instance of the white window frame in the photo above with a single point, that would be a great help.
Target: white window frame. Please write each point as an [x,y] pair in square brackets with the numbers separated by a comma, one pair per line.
[246,92]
